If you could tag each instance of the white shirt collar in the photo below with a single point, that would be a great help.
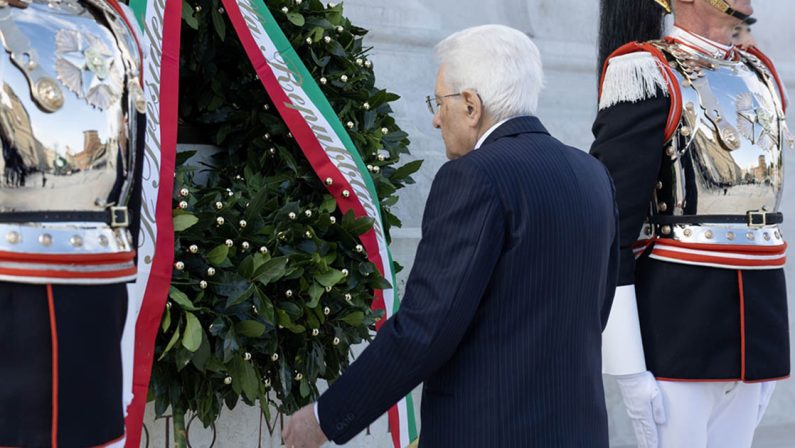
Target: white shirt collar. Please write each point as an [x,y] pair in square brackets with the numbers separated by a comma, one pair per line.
[489,131]
[702,44]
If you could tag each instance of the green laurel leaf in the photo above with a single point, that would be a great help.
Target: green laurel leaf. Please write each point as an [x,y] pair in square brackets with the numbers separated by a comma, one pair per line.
[192,338]
[184,221]
[296,18]
[218,254]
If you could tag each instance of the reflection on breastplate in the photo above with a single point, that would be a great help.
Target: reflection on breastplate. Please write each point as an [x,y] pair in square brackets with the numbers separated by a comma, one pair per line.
[68,96]
[726,157]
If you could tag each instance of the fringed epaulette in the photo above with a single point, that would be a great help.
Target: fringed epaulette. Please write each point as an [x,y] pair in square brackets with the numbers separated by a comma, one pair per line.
[638,71]
[630,78]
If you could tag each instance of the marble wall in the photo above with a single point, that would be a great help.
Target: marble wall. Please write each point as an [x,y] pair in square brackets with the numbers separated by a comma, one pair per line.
[402,36]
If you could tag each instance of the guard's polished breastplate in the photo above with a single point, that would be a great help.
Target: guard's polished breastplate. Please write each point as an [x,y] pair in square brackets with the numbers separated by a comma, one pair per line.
[70,100]
[726,156]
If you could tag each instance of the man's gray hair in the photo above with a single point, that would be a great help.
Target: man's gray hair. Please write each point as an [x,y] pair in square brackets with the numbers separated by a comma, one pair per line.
[500,63]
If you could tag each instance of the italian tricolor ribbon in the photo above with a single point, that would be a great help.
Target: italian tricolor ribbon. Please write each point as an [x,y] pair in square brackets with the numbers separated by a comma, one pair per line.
[329,149]
[159,22]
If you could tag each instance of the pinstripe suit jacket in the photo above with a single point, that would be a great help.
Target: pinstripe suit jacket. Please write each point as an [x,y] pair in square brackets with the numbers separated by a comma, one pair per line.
[504,307]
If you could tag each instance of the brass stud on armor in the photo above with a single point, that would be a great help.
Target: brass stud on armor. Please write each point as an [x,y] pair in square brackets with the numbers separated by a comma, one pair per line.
[103,241]
[663,207]
[750,236]
[193,249]
[730,236]
[666,230]
[688,233]
[708,234]
[76,241]
[670,151]
[685,131]
[346,193]
[659,185]
[46,239]
[767,236]
[777,235]
[13,237]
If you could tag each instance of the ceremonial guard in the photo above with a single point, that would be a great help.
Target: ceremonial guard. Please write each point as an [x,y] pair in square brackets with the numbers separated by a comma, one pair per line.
[71,128]
[692,130]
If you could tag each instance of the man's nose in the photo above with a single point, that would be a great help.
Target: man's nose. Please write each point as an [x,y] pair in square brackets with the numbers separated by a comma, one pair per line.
[437,123]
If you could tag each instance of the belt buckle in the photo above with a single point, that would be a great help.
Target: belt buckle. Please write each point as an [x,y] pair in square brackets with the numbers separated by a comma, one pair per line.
[119,217]
[756,218]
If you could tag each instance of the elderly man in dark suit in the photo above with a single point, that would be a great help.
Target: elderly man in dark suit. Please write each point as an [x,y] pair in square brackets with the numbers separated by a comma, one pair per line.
[512,284]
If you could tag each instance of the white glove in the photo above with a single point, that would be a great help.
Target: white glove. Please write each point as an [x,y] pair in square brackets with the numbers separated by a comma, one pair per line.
[764,399]
[644,404]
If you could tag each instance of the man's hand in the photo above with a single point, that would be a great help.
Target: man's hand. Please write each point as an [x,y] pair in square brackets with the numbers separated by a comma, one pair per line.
[644,404]
[303,430]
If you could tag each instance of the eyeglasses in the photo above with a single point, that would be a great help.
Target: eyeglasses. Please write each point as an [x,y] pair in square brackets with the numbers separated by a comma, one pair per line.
[438,101]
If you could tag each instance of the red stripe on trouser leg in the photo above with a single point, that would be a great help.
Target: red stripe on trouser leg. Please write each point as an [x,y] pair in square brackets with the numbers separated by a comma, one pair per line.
[742,325]
[54,338]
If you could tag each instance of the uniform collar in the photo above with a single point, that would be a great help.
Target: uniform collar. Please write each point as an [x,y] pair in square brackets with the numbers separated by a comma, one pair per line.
[696,43]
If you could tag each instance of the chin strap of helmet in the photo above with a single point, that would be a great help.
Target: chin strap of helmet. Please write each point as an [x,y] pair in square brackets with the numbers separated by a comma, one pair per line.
[726,9]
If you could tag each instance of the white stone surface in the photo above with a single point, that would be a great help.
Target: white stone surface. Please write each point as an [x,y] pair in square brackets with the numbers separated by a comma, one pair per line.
[403,34]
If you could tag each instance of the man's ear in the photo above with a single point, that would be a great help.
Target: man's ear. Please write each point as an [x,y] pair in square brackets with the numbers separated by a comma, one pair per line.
[474,106]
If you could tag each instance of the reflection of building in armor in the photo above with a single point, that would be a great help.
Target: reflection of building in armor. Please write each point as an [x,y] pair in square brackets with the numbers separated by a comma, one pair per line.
[21,150]
[93,150]
[725,168]
[760,172]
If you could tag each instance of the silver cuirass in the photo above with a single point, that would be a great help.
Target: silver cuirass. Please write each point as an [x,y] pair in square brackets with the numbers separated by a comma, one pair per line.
[725,157]
[69,104]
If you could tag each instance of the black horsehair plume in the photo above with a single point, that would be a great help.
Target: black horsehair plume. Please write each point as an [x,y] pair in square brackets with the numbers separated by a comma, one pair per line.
[624,21]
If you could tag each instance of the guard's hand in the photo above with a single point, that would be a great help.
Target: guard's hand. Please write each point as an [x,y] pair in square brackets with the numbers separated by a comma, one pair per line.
[303,430]
[644,404]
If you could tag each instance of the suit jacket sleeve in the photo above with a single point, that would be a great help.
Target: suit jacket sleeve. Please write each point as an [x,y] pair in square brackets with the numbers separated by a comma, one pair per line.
[463,234]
